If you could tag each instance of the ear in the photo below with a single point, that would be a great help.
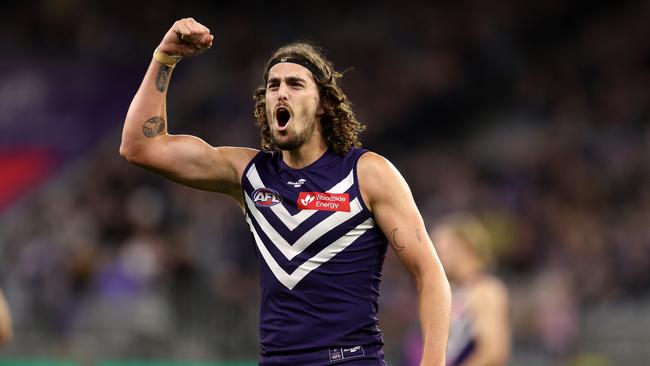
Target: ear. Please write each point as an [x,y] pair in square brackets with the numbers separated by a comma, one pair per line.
[320,111]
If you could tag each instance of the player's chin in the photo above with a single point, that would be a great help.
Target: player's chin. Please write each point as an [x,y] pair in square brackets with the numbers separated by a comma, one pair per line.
[285,142]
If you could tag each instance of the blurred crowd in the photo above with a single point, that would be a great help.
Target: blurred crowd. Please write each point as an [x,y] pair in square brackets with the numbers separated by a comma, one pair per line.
[532,115]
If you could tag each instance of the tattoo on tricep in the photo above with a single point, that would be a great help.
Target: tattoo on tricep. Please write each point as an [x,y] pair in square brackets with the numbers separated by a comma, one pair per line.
[153,126]
[162,79]
[398,248]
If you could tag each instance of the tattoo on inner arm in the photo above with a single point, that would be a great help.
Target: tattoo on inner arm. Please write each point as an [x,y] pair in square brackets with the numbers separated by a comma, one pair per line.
[398,248]
[162,79]
[153,126]
[417,235]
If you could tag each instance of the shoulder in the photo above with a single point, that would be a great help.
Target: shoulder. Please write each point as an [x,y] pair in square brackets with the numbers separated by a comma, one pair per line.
[234,160]
[247,152]
[239,156]
[242,154]
[490,289]
[373,165]
[379,180]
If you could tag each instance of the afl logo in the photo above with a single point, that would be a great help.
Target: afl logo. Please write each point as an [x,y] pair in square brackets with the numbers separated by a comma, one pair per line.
[266,197]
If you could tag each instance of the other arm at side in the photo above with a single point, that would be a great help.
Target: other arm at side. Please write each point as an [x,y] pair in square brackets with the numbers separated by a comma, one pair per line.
[388,196]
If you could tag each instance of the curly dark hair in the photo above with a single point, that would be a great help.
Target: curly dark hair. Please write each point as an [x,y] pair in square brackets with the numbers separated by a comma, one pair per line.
[339,125]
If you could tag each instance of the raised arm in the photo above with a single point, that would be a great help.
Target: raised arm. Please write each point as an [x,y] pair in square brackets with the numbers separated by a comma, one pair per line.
[389,197]
[185,159]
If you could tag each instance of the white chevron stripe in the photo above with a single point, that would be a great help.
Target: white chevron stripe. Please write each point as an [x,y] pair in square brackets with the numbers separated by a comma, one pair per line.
[291,280]
[292,221]
[290,251]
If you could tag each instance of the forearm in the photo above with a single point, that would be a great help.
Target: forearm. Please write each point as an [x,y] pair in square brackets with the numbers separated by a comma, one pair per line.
[435,308]
[147,115]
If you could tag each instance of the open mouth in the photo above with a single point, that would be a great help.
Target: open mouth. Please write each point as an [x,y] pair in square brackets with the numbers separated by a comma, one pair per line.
[282,115]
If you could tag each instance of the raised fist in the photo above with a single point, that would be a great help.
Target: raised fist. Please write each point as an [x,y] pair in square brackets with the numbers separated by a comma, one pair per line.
[186,38]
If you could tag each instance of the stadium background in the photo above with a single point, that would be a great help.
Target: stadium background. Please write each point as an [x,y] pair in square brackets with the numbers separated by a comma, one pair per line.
[534,115]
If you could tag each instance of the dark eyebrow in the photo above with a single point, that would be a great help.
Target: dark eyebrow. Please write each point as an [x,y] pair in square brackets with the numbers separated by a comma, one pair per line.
[288,79]
[294,79]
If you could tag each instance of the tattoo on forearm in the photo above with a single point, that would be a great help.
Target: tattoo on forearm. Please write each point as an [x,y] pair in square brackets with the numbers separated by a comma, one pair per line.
[417,235]
[162,79]
[153,126]
[398,248]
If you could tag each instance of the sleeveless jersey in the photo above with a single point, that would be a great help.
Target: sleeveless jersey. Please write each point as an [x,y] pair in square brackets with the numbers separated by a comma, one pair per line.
[320,255]
[461,341]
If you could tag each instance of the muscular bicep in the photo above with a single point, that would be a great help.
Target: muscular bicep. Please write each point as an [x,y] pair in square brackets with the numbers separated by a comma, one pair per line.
[389,197]
[191,161]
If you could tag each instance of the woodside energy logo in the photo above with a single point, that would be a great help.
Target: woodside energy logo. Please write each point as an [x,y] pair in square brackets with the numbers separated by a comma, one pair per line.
[324,201]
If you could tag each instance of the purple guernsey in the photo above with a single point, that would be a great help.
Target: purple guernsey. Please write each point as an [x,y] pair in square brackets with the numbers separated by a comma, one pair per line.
[320,254]
[462,341]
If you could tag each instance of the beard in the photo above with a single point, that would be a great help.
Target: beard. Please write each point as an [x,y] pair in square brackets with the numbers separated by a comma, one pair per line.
[295,141]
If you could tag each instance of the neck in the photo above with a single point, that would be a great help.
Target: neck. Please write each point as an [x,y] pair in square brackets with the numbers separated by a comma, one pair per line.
[304,155]
[469,272]
[307,153]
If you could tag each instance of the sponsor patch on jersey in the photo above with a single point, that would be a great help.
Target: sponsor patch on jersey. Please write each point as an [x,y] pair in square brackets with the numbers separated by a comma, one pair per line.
[356,351]
[342,353]
[336,354]
[324,201]
[266,197]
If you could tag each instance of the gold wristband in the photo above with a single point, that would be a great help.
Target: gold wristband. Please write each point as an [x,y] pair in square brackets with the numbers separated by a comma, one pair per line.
[165,59]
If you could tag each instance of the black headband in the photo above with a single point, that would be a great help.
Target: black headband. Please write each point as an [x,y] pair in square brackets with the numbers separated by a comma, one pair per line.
[318,75]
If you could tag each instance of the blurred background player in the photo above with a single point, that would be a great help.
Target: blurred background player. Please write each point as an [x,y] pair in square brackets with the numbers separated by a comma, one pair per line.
[6,332]
[480,329]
